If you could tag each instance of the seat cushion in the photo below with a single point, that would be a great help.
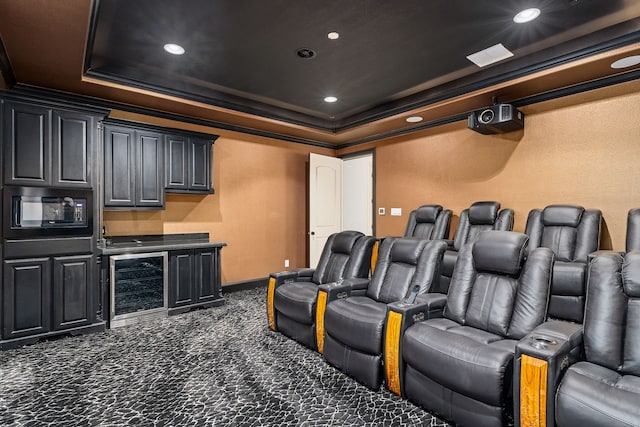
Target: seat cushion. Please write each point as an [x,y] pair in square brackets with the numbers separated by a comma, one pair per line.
[357,322]
[468,361]
[297,300]
[592,395]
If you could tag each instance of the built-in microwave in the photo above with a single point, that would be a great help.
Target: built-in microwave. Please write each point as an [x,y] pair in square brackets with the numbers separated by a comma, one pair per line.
[47,212]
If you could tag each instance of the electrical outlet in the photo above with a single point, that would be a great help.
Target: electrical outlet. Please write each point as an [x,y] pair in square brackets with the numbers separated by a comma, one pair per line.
[396,211]
[286,263]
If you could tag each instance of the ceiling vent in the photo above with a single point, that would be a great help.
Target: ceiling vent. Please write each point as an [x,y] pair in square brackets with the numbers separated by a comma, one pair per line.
[305,53]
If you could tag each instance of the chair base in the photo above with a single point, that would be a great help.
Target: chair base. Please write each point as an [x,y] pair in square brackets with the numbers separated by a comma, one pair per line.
[365,368]
[450,405]
[304,334]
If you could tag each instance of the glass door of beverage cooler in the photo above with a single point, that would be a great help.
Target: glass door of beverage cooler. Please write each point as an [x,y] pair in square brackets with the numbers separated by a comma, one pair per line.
[138,287]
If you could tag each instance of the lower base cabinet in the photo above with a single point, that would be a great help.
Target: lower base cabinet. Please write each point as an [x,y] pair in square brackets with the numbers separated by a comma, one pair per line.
[48,296]
[194,279]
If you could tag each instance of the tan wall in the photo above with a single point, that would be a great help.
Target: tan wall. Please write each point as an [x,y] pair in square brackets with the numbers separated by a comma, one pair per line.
[581,150]
[259,207]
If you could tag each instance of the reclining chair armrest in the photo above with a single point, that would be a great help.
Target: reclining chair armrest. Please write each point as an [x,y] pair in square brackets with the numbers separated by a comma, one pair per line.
[327,292]
[279,278]
[542,357]
[599,252]
[358,285]
[401,315]
[335,290]
[450,244]
[304,273]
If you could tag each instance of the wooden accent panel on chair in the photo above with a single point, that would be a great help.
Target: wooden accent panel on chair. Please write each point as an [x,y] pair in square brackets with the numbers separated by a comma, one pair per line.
[270,313]
[533,392]
[391,351]
[321,305]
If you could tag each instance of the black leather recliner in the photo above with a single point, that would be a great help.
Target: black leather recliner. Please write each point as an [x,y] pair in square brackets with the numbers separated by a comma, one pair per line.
[291,295]
[479,217]
[601,387]
[572,232]
[428,222]
[633,230]
[460,366]
[354,325]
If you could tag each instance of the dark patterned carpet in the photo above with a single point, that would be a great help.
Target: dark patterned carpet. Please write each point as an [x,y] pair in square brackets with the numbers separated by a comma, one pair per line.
[216,367]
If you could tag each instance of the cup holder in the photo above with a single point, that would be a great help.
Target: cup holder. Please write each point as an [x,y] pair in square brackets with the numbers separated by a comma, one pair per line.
[540,342]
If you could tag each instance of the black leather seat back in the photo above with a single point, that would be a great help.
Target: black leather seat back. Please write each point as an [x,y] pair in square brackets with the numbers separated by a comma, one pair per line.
[402,264]
[479,217]
[428,222]
[495,290]
[612,319]
[633,230]
[572,232]
[346,254]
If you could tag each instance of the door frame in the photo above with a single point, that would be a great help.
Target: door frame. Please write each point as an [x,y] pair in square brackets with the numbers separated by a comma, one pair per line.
[371,152]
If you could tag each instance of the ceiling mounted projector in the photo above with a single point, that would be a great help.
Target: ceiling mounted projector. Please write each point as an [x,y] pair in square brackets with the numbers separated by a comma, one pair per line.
[498,118]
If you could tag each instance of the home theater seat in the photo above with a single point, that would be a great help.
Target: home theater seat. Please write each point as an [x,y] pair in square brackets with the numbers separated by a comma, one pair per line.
[428,222]
[354,325]
[460,366]
[633,230]
[291,295]
[602,387]
[479,217]
[572,232]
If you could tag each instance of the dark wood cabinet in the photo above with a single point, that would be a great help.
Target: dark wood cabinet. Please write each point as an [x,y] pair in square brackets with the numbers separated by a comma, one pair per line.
[27,144]
[133,175]
[188,164]
[48,147]
[26,294]
[176,167]
[149,169]
[72,291]
[119,184]
[194,279]
[73,135]
[181,284]
[207,274]
[45,295]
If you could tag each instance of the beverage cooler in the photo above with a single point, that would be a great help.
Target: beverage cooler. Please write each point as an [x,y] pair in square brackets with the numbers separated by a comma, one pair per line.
[138,287]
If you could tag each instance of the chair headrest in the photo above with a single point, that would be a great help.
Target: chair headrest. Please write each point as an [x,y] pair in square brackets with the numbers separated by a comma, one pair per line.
[483,213]
[499,251]
[428,213]
[407,250]
[344,241]
[631,274]
[562,215]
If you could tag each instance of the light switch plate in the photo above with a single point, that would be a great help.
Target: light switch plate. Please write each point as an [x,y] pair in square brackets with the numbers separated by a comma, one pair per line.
[381,211]
[396,211]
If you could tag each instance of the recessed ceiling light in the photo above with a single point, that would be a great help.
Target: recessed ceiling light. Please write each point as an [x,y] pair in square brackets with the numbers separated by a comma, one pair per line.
[629,61]
[414,119]
[330,99]
[526,15]
[490,55]
[333,35]
[174,49]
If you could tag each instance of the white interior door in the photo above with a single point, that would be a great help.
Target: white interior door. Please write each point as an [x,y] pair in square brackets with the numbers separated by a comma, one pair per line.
[357,193]
[325,202]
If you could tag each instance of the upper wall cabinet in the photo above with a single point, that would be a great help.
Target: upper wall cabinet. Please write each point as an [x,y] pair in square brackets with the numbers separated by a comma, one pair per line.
[133,173]
[48,147]
[141,162]
[188,167]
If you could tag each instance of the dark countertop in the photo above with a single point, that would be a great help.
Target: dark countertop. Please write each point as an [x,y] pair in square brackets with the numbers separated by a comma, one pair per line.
[114,245]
